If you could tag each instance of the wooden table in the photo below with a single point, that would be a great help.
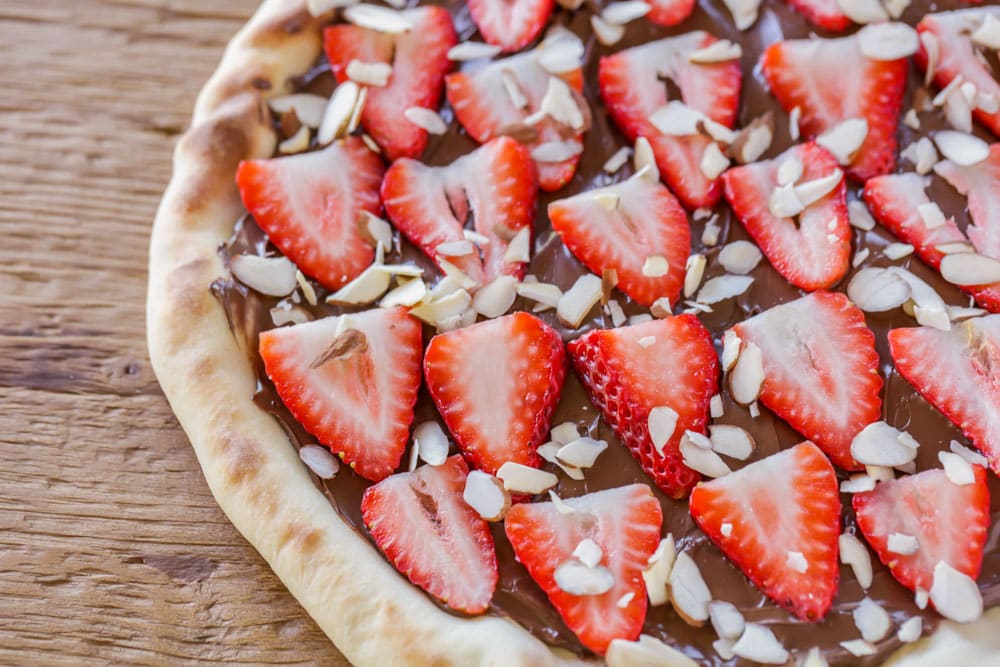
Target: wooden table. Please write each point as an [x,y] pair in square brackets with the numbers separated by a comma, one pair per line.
[112,549]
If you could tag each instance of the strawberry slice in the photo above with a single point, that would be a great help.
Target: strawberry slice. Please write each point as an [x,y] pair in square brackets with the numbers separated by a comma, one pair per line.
[949,521]
[956,371]
[351,381]
[646,222]
[625,524]
[495,185]
[820,369]
[479,95]
[419,59]
[496,385]
[309,205]
[632,88]
[778,509]
[981,184]
[625,380]
[959,56]
[510,24]
[670,12]
[427,531]
[823,13]
[812,251]
[811,74]
[894,200]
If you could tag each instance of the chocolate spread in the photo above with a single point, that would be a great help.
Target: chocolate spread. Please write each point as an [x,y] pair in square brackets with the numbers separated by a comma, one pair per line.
[517,596]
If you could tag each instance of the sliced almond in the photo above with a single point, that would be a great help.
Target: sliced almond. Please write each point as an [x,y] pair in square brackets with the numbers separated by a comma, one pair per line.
[556,151]
[724,648]
[857,484]
[408,293]
[880,444]
[458,248]
[859,216]
[519,247]
[427,119]
[473,51]
[863,11]
[933,50]
[753,140]
[790,170]
[710,235]
[796,562]
[560,52]
[726,619]
[616,313]
[338,112]
[676,119]
[378,18]
[432,442]
[859,648]
[911,119]
[561,506]
[961,148]
[733,441]
[723,287]
[625,11]
[719,51]
[693,273]
[759,644]
[486,494]
[701,459]
[731,346]
[896,250]
[888,41]
[443,309]
[987,34]
[548,452]
[657,572]
[273,276]
[872,620]
[560,104]
[810,192]
[784,202]
[582,452]
[643,159]
[689,593]
[286,313]
[308,108]
[716,408]
[588,552]
[661,422]
[860,256]
[955,594]
[655,266]
[520,478]
[744,12]
[606,33]
[970,269]
[617,160]
[576,303]
[740,257]
[320,461]
[793,122]
[902,544]
[296,143]
[958,470]
[854,553]
[844,140]
[747,376]
[575,578]
[564,433]
[910,630]
[544,294]
[896,7]
[495,298]
[972,457]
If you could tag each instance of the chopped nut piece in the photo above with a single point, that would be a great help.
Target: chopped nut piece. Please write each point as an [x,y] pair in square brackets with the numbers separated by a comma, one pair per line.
[579,299]
[732,441]
[726,619]
[713,161]
[625,11]
[955,594]
[961,148]
[588,552]
[759,644]
[643,159]
[872,620]
[970,269]
[723,287]
[606,33]
[487,495]
[495,298]
[910,630]
[880,444]
[747,377]
[320,461]
[370,74]
[701,459]
[428,119]
[378,18]
[582,452]
[473,51]
[896,251]
[657,571]
[888,41]
[844,140]
[859,648]
[717,52]
[525,479]
[661,422]
[273,276]
[854,553]
[575,578]
[688,591]
[617,160]
[655,266]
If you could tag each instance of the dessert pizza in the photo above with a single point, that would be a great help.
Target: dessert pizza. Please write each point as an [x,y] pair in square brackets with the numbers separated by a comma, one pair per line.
[515,332]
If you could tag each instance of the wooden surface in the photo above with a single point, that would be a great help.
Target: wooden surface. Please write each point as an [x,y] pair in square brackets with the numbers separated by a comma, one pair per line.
[112,550]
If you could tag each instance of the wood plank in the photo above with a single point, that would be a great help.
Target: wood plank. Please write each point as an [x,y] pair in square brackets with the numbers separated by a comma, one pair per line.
[112,549]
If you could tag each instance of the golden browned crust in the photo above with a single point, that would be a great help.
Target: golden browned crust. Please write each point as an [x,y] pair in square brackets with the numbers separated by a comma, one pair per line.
[370,612]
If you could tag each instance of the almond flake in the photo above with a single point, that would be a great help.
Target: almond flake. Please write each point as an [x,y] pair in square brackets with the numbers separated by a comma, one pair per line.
[625,11]
[548,452]
[614,309]
[338,112]
[881,444]
[624,601]
[814,659]
[904,545]
[693,273]
[790,170]
[747,376]
[606,33]
[661,422]
[525,479]
[859,648]
[927,156]
[793,123]
[473,51]
[954,247]
[896,250]
[427,119]
[296,143]
[872,620]
[320,7]
[320,461]
[443,309]
[713,161]
[784,202]
[910,630]
[860,257]
[759,644]
[639,318]
[480,240]
[740,257]
[700,459]
[716,408]
[726,619]
[888,41]
[797,562]
[969,455]
[495,298]
[560,52]
[564,433]
[911,119]
[378,18]
[933,50]
[676,119]
[560,104]
[487,495]
[455,248]
[859,216]
[970,269]
[609,201]
[988,102]
[955,595]
[854,553]
[987,34]
[731,345]
[732,441]
[753,140]
[576,302]
[857,484]
[556,151]
[724,648]
[688,591]
[961,148]
[717,52]
[561,506]
[863,11]
[588,552]
[308,108]
[432,442]
[643,159]
[408,293]
[617,160]
[896,7]
[575,578]
[544,294]
[370,74]
[744,12]
[655,266]
[961,313]
[657,571]
[582,452]
[723,287]
[921,598]
[844,140]
[286,313]
[958,470]
[647,652]
[273,276]
[519,247]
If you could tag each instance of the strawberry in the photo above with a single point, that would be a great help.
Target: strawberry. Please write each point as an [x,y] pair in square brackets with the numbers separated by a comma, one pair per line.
[632,88]
[496,385]
[820,369]
[831,81]
[956,371]
[495,185]
[510,24]
[309,204]
[823,13]
[894,200]
[669,13]
[625,524]
[981,184]
[479,96]
[646,222]
[812,251]
[359,403]
[949,522]
[958,56]
[419,59]
[787,503]
[625,381]
[427,531]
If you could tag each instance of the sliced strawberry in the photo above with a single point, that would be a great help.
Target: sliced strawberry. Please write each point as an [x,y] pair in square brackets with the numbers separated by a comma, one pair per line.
[787,503]
[632,88]
[510,24]
[949,522]
[625,380]
[812,251]
[824,13]
[958,56]
[647,222]
[484,107]
[981,184]
[495,185]
[496,385]
[419,59]
[831,81]
[670,12]
[360,403]
[956,371]
[427,531]
[820,369]
[309,205]
[625,524]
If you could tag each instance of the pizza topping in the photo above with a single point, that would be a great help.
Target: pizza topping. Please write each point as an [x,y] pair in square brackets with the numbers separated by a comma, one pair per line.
[274,276]
[320,461]
[487,495]
[689,593]
[854,553]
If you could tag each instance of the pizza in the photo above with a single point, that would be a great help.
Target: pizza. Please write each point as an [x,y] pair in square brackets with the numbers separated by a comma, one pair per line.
[642,333]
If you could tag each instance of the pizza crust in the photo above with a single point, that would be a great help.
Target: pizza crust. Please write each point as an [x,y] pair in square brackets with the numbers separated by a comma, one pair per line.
[372,614]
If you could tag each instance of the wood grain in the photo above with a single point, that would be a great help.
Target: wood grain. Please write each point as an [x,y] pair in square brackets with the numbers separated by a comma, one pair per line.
[112,550]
